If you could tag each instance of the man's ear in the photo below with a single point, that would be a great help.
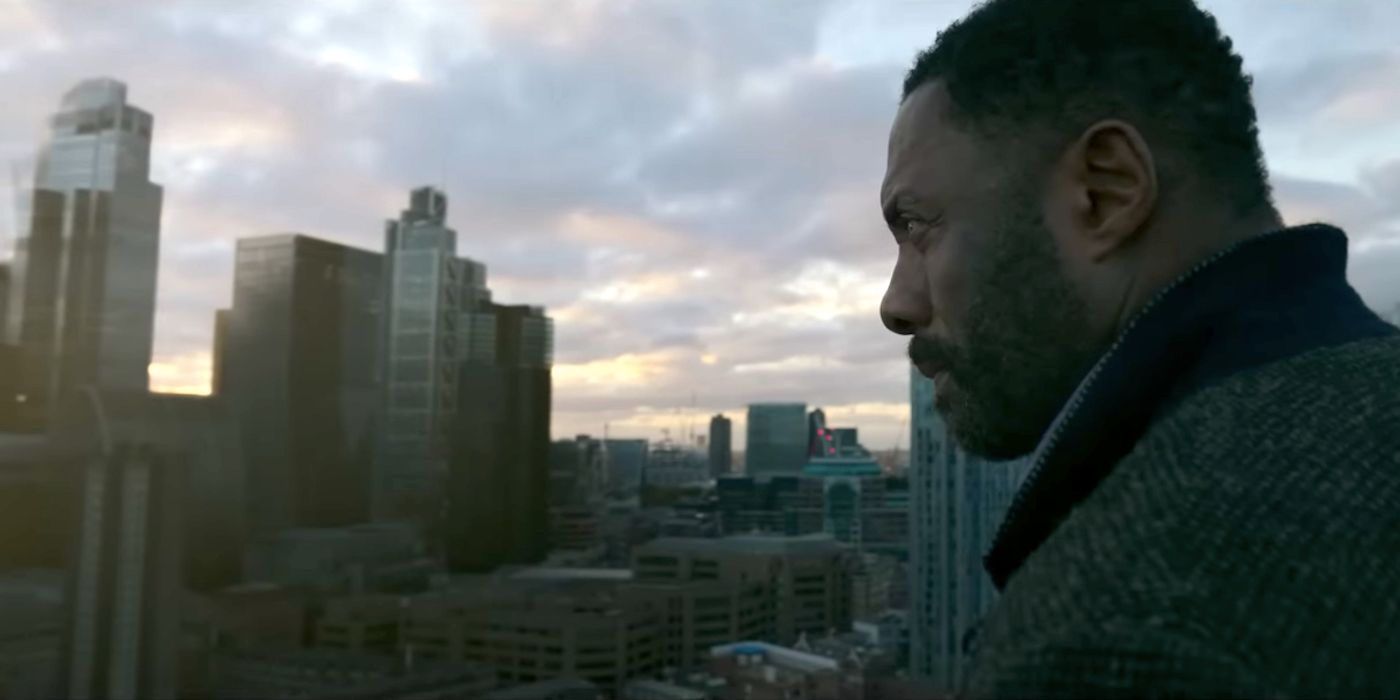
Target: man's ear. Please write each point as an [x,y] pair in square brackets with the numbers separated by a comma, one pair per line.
[1111,178]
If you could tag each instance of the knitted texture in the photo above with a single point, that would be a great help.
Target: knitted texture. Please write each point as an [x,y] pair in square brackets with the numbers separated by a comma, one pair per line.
[1247,546]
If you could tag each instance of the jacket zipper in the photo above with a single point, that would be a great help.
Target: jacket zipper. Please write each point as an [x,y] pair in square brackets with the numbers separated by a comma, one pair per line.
[1018,501]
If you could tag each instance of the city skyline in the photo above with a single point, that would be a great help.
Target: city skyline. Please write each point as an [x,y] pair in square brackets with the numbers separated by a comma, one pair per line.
[639,208]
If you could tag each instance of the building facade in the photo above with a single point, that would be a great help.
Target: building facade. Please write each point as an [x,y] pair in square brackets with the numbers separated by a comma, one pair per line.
[426,290]
[627,460]
[721,446]
[809,577]
[777,439]
[296,359]
[82,296]
[122,631]
[498,482]
[957,502]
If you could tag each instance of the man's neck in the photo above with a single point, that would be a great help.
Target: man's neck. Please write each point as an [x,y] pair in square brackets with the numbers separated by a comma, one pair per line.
[1182,246]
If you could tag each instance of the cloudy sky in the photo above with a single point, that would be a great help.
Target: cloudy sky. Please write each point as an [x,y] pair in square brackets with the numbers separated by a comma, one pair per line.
[689,187]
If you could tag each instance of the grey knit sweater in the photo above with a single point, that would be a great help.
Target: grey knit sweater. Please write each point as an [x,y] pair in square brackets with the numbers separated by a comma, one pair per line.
[1216,512]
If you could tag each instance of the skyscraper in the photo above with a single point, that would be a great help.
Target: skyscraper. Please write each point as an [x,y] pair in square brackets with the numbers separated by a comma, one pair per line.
[957,503]
[497,510]
[426,290]
[721,446]
[84,287]
[124,580]
[296,359]
[777,439]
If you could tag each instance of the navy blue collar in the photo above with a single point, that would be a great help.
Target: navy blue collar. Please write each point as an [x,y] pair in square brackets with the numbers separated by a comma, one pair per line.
[1268,298]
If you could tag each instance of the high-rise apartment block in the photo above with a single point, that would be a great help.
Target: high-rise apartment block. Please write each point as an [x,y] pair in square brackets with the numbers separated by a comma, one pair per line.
[721,446]
[82,296]
[296,359]
[777,439]
[957,503]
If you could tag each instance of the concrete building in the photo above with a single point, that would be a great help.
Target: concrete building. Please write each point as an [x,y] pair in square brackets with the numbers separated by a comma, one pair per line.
[777,439]
[426,290]
[354,559]
[558,689]
[542,628]
[296,357]
[362,624]
[957,504]
[647,689]
[41,479]
[809,577]
[721,446]
[122,631]
[333,675]
[83,289]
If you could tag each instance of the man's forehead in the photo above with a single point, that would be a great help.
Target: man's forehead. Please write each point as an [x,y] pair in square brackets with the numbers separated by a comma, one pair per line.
[919,133]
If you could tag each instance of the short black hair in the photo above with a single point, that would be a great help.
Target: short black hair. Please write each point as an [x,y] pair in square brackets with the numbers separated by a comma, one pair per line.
[1057,66]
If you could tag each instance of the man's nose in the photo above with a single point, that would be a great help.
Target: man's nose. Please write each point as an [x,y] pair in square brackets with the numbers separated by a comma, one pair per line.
[906,307]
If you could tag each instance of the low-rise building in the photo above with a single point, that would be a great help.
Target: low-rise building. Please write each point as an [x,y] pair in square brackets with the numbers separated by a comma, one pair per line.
[324,674]
[809,577]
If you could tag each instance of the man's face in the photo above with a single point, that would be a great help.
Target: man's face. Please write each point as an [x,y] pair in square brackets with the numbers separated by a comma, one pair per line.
[978,282]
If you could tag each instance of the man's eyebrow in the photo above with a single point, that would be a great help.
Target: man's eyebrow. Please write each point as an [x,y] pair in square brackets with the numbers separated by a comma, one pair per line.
[893,208]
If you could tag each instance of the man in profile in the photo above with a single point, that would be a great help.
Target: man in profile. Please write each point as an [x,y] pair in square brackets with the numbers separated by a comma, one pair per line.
[1092,271]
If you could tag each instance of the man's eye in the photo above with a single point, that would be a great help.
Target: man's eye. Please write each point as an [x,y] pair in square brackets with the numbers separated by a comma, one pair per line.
[915,228]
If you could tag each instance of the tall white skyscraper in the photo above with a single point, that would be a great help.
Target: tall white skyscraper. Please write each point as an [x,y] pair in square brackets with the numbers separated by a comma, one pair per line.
[957,502]
[83,289]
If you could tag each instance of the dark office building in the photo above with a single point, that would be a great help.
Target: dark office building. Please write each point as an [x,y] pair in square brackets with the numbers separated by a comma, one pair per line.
[498,509]
[721,446]
[295,357]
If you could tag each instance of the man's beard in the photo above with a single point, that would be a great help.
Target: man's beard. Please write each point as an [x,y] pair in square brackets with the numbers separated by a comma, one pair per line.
[1024,347]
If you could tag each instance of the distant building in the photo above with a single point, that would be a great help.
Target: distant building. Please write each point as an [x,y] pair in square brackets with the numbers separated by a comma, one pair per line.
[295,356]
[559,689]
[499,469]
[577,488]
[83,288]
[578,627]
[627,460]
[957,504]
[331,675]
[777,439]
[647,689]
[762,670]
[354,559]
[811,574]
[371,623]
[426,290]
[671,465]
[721,446]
